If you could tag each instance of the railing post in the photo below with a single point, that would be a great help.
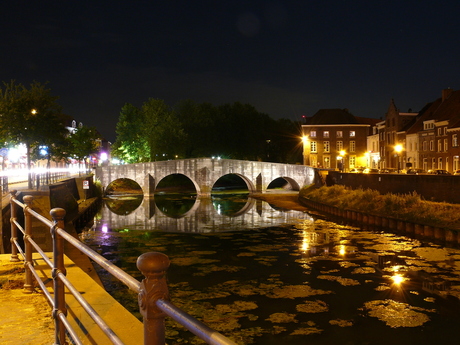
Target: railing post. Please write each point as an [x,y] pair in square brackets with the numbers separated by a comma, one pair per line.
[28,285]
[58,215]
[153,266]
[14,227]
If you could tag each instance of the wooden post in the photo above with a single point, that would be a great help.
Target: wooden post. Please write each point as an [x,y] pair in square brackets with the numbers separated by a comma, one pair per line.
[58,215]
[153,266]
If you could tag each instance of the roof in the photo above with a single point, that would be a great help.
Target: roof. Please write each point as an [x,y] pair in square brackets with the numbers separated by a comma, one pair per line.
[338,117]
[332,117]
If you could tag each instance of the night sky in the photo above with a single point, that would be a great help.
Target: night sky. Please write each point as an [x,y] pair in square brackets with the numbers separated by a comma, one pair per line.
[286,58]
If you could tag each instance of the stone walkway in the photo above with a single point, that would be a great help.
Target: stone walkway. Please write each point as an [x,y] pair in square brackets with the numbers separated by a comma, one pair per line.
[25,318]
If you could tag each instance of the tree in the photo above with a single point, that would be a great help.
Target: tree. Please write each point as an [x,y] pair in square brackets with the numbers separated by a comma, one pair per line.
[83,142]
[131,144]
[162,130]
[28,115]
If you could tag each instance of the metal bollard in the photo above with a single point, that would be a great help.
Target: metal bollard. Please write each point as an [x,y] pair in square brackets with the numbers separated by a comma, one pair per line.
[58,215]
[153,266]
[28,285]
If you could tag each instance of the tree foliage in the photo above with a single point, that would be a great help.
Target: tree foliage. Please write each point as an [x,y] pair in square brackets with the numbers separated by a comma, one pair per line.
[188,130]
[83,142]
[29,116]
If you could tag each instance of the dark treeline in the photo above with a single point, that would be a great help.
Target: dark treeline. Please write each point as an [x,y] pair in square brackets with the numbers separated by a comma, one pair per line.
[156,131]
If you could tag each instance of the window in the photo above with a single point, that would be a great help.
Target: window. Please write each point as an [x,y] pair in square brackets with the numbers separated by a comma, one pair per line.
[352,146]
[326,134]
[339,134]
[425,145]
[339,145]
[445,130]
[327,162]
[439,131]
[439,146]
[352,133]
[313,147]
[352,161]
[454,140]
[446,145]
[431,145]
[313,134]
[327,146]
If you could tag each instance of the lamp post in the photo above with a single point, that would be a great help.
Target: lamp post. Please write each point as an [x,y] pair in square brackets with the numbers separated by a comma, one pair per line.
[305,149]
[398,150]
[341,161]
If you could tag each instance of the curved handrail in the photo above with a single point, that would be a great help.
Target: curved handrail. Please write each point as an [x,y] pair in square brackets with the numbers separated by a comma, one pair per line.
[152,335]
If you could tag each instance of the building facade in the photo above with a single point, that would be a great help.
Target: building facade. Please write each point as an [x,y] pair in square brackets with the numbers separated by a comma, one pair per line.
[336,139]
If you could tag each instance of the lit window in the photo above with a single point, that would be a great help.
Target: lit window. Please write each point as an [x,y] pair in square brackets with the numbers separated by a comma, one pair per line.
[339,145]
[313,147]
[339,134]
[454,140]
[313,134]
[326,146]
[326,134]
[352,133]
[352,146]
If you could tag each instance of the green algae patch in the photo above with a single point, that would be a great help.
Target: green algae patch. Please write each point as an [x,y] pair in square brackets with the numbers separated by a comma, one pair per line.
[312,307]
[341,280]
[191,260]
[295,291]
[341,323]
[363,270]
[397,314]
[282,318]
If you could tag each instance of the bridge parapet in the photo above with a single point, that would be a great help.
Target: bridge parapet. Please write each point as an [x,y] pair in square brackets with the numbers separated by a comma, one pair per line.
[204,172]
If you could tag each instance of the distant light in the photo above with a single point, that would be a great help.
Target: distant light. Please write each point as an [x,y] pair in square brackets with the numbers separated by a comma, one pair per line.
[104,228]
[104,156]
[43,151]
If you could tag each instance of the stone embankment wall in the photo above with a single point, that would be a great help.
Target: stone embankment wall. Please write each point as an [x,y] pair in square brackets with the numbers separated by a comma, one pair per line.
[430,187]
[449,237]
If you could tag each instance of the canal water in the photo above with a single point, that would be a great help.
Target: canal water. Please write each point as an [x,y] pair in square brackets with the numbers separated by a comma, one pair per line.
[264,275]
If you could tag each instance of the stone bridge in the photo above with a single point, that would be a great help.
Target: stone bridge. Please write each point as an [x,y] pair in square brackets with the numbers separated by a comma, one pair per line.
[204,172]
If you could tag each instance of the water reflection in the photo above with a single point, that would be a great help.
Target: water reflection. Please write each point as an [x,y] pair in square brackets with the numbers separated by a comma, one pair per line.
[186,213]
[313,281]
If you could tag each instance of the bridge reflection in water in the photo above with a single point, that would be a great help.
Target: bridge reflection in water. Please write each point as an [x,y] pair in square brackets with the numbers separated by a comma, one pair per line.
[179,213]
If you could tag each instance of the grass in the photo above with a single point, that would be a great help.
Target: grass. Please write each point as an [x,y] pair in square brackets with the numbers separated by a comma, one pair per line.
[408,207]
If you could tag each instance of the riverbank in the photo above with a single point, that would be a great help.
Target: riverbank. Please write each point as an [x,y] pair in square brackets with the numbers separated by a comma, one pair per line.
[287,200]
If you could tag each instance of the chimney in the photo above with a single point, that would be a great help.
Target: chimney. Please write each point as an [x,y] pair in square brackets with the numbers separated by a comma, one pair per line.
[446,93]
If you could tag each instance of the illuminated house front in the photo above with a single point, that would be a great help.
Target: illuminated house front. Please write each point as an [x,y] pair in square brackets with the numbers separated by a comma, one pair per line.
[336,139]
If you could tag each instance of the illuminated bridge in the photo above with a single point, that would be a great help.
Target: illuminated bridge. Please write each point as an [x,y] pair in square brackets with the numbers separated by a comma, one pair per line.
[204,172]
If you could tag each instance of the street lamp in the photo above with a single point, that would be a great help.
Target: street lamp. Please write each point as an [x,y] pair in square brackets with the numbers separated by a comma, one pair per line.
[398,150]
[305,146]
[341,160]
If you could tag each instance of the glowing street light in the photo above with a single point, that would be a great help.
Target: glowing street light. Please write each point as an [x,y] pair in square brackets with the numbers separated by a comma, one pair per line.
[398,149]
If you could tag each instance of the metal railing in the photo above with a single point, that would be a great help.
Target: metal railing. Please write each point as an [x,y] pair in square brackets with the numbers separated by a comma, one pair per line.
[152,292]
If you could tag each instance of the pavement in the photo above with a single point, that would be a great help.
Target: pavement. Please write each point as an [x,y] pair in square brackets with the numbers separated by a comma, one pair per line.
[26,318]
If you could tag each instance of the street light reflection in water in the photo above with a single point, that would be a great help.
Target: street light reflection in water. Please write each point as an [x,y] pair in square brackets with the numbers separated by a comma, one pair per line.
[302,280]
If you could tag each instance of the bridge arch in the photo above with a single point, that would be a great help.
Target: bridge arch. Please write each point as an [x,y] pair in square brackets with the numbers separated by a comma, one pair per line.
[245,179]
